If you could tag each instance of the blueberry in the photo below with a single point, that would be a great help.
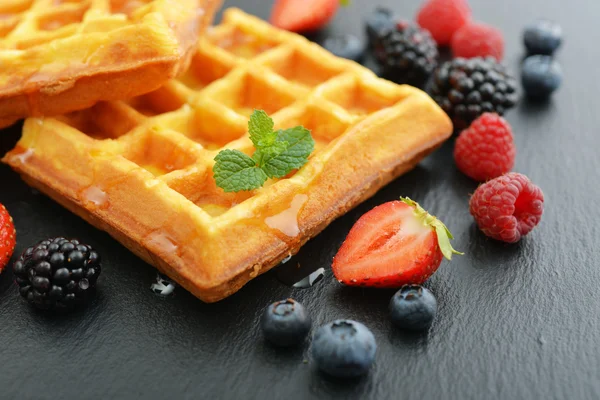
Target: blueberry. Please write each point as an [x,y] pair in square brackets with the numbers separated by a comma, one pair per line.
[344,349]
[285,323]
[540,76]
[380,20]
[413,307]
[346,46]
[542,37]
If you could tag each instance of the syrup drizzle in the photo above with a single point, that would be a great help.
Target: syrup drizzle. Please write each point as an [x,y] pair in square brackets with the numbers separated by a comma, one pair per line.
[24,156]
[287,221]
[95,195]
[162,242]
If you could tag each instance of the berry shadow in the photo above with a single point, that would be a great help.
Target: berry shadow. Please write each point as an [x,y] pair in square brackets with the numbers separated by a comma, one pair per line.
[530,105]
[408,339]
[361,301]
[462,184]
[282,356]
[320,35]
[333,387]
[9,137]
[445,54]
[7,279]
[56,324]
[489,252]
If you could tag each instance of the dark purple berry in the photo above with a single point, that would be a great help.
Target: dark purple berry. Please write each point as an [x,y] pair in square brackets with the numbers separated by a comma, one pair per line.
[57,273]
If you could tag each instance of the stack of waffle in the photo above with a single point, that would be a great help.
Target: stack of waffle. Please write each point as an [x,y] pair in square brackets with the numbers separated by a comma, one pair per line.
[139,166]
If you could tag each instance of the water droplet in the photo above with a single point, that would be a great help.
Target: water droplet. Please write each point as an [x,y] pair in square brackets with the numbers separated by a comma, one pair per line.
[163,285]
[311,279]
[299,271]
[84,284]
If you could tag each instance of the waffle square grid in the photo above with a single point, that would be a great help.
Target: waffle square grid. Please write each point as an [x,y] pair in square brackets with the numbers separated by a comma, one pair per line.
[142,169]
[57,56]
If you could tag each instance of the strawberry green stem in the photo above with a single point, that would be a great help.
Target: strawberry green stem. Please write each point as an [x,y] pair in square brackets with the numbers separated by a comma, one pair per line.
[443,234]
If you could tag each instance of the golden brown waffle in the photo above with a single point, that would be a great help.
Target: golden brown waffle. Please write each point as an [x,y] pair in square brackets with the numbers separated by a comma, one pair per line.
[57,56]
[142,170]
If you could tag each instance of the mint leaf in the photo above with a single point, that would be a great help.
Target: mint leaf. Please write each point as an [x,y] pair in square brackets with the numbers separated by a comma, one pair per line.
[345,3]
[265,153]
[234,171]
[260,128]
[277,154]
[299,145]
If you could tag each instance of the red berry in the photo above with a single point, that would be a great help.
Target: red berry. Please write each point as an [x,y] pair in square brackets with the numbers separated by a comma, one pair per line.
[7,237]
[303,15]
[443,18]
[478,40]
[486,149]
[508,207]
[394,244]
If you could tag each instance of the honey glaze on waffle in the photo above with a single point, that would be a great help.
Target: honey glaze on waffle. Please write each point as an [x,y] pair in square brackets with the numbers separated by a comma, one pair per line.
[143,167]
[287,220]
[94,195]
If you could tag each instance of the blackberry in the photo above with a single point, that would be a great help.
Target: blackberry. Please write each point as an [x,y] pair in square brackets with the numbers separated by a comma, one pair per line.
[407,54]
[467,88]
[57,273]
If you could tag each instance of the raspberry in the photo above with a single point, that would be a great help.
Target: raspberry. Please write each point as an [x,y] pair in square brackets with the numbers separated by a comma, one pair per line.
[478,40]
[486,149]
[508,207]
[443,18]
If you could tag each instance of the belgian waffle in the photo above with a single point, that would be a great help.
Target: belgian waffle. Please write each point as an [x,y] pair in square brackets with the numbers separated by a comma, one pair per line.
[57,56]
[142,169]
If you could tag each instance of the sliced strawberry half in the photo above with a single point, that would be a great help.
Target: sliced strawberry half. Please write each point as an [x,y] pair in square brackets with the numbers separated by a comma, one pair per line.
[7,237]
[394,244]
[303,15]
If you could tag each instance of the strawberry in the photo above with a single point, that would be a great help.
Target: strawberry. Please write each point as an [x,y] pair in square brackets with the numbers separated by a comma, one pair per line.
[303,15]
[7,237]
[394,244]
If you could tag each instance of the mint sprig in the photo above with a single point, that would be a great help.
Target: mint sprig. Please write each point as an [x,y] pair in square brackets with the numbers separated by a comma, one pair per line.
[277,154]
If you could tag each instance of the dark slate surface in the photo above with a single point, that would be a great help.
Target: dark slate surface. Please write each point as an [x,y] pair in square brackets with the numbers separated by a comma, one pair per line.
[515,322]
